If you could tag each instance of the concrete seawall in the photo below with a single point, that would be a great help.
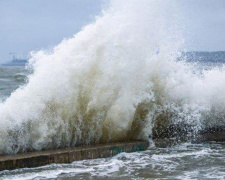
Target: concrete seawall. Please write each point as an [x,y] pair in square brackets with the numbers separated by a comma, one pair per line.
[36,159]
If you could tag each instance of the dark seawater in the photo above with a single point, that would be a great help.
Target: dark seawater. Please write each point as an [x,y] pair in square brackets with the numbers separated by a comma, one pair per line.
[205,60]
[182,161]
[11,78]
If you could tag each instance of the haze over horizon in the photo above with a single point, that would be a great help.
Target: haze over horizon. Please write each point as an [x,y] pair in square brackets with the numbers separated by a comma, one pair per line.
[33,25]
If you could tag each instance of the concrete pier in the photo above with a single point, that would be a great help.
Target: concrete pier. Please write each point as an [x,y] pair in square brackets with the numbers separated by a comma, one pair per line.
[36,159]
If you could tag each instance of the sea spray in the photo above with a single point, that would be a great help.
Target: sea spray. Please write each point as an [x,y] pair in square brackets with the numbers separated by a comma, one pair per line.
[116,80]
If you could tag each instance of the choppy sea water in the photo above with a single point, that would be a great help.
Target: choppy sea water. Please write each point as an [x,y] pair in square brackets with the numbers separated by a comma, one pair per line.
[183,161]
[10,79]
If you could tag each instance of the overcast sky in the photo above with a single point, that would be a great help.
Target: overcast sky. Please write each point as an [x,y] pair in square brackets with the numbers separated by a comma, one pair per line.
[27,25]
[204,21]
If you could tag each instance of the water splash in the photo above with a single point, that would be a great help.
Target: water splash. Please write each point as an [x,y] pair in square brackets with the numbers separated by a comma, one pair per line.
[115,80]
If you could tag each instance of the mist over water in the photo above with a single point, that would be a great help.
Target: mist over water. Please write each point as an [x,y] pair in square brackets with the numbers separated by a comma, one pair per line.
[116,80]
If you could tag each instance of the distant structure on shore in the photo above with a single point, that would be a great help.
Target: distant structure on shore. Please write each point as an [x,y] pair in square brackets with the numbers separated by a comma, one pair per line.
[204,56]
[18,59]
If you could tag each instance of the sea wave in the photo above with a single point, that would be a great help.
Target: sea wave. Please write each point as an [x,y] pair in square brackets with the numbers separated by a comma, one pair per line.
[116,80]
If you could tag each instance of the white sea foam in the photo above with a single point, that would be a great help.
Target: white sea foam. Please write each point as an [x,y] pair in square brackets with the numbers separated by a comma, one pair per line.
[115,80]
